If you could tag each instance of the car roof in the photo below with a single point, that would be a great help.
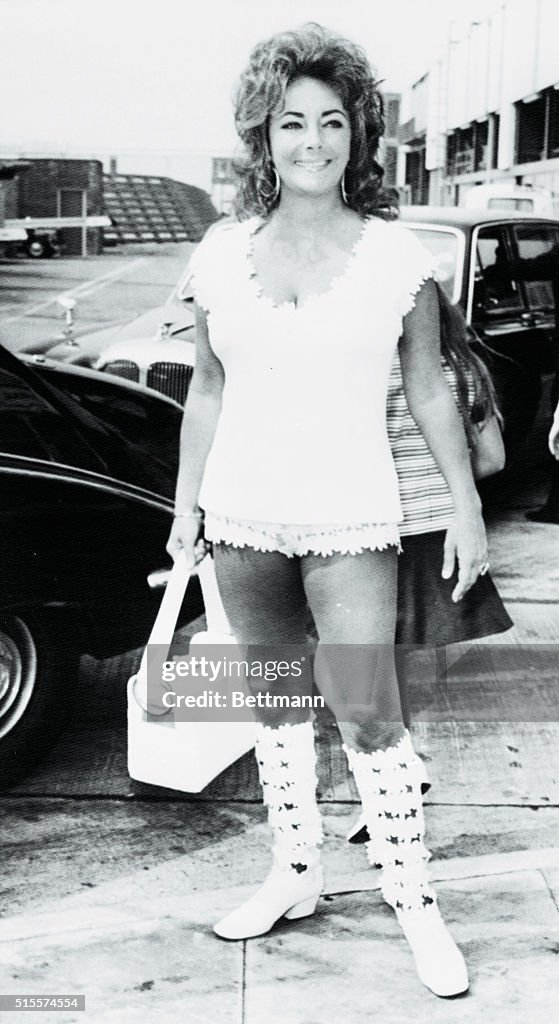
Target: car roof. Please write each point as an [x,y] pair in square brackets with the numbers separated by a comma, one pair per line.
[463,217]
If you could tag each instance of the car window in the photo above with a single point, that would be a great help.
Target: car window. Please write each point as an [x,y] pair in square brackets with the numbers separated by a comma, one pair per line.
[538,263]
[496,287]
[183,291]
[444,247]
[511,203]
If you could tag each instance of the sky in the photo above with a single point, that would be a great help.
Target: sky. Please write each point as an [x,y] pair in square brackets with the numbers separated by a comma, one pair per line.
[157,75]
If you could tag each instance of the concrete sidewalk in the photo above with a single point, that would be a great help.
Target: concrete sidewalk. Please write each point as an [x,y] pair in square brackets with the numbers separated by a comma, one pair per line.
[141,946]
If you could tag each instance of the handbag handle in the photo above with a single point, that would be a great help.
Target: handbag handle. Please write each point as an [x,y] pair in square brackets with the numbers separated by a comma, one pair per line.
[165,623]
[166,620]
[216,618]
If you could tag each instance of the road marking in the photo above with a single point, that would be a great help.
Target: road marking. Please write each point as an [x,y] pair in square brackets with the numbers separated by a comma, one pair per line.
[85,288]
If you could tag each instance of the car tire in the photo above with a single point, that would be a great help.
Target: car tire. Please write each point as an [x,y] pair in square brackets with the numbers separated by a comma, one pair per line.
[37,671]
[39,248]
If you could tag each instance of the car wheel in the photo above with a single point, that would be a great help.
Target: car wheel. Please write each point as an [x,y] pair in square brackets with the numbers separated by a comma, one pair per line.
[36,684]
[37,248]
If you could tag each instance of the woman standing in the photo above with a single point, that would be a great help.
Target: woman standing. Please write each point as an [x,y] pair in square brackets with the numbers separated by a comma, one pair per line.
[284,446]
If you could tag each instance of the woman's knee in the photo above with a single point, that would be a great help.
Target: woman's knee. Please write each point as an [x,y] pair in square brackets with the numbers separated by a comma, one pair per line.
[365,732]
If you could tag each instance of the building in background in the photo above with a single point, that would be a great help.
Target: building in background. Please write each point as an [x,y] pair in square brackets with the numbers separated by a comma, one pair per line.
[413,176]
[58,202]
[223,184]
[487,110]
[149,208]
[389,142]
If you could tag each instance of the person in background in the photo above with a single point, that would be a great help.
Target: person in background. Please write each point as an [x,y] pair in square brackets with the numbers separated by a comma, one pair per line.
[426,612]
[549,513]
[284,448]
[553,438]
[427,617]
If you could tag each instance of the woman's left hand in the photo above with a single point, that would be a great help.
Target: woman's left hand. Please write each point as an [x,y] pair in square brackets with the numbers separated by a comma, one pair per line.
[465,542]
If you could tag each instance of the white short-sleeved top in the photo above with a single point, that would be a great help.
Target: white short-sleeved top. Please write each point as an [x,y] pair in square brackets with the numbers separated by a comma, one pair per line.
[301,436]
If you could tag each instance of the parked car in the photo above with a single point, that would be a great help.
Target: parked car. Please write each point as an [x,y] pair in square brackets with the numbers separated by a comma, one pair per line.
[164,362]
[480,256]
[164,358]
[504,196]
[87,469]
[173,320]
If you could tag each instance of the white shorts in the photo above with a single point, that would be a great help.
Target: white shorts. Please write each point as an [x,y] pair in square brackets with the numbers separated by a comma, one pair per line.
[301,539]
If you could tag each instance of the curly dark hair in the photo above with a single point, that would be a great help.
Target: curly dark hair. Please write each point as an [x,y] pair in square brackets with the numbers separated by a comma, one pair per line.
[314,52]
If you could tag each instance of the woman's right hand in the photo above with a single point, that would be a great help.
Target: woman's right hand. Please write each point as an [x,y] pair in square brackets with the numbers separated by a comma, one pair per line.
[185,536]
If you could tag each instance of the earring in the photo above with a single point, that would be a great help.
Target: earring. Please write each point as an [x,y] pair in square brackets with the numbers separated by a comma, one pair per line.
[343,188]
[272,196]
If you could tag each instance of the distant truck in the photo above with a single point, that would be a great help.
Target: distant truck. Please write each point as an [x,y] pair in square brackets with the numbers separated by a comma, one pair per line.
[38,236]
[502,196]
[40,199]
[11,240]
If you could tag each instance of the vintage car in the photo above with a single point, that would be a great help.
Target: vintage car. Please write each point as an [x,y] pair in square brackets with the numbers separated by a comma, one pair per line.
[487,261]
[155,349]
[500,195]
[484,260]
[87,469]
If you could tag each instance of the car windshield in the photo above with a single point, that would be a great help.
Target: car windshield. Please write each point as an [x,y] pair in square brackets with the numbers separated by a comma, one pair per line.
[444,247]
[183,290]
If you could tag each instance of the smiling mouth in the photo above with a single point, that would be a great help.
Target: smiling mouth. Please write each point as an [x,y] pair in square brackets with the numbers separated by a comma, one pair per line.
[314,166]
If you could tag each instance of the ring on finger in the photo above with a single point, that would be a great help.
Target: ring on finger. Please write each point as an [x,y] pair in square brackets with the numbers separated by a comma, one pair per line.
[484,568]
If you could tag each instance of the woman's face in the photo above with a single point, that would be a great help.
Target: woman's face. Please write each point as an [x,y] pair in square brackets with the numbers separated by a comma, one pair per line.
[310,138]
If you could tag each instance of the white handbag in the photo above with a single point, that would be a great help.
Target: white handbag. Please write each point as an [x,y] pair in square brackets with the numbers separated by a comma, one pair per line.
[180,754]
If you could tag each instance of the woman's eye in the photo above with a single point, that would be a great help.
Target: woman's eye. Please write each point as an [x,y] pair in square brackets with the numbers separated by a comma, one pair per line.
[334,122]
[291,124]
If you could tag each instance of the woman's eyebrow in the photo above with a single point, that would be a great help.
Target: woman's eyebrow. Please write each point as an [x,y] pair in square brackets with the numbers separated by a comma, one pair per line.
[325,113]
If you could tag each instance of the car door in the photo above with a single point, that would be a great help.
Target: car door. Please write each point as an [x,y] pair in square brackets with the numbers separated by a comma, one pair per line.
[76,532]
[504,322]
[536,263]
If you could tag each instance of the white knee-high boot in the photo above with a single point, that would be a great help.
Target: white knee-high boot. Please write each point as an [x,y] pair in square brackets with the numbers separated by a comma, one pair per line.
[287,769]
[389,783]
[359,833]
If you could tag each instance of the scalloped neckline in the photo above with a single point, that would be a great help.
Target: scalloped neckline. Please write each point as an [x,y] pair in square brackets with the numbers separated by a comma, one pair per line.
[289,304]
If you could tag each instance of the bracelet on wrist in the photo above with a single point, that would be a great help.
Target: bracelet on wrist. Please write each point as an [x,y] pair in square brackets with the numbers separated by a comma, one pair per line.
[189,514]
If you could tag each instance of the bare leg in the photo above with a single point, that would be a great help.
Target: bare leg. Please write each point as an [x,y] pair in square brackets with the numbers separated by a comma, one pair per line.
[265,602]
[353,602]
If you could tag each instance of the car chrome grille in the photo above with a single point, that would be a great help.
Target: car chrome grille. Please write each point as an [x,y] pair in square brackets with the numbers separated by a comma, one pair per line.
[171,379]
[123,368]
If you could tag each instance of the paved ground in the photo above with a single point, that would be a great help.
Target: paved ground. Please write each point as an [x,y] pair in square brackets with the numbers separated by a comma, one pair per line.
[109,290]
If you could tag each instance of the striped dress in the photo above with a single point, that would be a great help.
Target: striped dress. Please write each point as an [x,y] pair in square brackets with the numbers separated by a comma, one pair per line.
[426,501]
